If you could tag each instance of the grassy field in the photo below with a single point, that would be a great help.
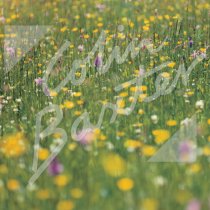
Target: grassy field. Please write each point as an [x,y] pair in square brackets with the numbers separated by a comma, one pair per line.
[105,167]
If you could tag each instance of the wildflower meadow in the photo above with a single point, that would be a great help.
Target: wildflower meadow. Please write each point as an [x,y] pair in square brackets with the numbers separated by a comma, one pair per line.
[104,104]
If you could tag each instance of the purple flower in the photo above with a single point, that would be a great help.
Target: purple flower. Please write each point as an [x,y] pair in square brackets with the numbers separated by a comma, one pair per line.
[190,41]
[39,81]
[55,168]
[194,205]
[187,151]
[98,61]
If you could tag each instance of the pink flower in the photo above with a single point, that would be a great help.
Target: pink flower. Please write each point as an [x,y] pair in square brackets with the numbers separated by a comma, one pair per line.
[39,81]
[195,54]
[141,72]
[10,51]
[100,7]
[187,151]
[194,205]
[85,136]
[2,19]
[46,91]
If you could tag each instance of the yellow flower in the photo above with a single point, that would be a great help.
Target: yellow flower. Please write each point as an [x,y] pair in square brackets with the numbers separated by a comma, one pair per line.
[152,18]
[195,168]
[100,25]
[190,93]
[95,31]
[208,121]
[77,94]
[141,111]
[3,169]
[167,17]
[43,153]
[63,29]
[148,150]
[165,44]
[57,135]
[132,144]
[120,103]
[142,97]
[65,205]
[171,65]
[131,99]
[96,132]
[13,185]
[86,36]
[65,89]
[125,184]
[203,50]
[80,102]
[126,84]
[171,123]
[102,137]
[149,204]
[123,94]
[120,133]
[131,24]
[143,88]
[13,145]
[43,194]
[77,17]
[74,29]
[177,16]
[206,151]
[182,196]
[161,135]
[68,104]
[114,165]
[53,93]
[61,180]
[121,111]
[77,113]
[76,193]
[165,75]
[146,28]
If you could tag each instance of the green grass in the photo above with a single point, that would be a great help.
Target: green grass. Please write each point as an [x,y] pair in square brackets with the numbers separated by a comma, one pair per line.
[83,166]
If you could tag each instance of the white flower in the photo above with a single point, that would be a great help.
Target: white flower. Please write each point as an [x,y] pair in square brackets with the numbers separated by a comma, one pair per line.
[31,187]
[110,146]
[18,100]
[160,181]
[80,48]
[154,119]
[199,104]
[186,122]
